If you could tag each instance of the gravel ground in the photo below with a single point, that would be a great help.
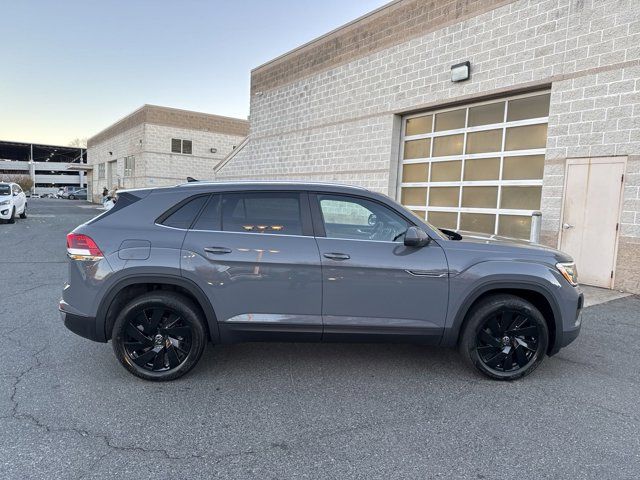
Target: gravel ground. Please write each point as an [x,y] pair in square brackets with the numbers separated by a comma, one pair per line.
[69,410]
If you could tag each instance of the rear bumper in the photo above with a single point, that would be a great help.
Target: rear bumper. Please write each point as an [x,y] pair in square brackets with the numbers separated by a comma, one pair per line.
[80,324]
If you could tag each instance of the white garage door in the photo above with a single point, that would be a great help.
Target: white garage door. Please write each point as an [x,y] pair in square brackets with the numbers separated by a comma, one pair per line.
[476,167]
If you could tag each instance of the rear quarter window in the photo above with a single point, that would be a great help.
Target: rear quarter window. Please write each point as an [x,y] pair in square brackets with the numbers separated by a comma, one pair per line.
[184,213]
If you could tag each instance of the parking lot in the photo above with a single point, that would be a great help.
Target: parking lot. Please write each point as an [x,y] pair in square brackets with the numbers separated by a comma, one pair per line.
[69,410]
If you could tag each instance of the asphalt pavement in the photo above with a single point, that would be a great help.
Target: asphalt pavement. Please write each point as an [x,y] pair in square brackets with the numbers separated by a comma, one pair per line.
[69,410]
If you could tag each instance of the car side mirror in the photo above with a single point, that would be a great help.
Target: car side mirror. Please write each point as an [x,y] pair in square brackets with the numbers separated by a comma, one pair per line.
[416,237]
[15,194]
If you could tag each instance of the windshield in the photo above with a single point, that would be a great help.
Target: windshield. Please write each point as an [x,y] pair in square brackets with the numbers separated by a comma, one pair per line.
[5,189]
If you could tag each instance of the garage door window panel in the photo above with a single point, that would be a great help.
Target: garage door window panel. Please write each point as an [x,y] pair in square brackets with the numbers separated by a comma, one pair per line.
[485,161]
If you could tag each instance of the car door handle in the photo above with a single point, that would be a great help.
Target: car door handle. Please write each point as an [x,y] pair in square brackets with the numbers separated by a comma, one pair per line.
[337,256]
[567,226]
[217,250]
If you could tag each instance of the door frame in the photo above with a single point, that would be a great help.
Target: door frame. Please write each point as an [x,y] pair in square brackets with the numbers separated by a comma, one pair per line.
[589,161]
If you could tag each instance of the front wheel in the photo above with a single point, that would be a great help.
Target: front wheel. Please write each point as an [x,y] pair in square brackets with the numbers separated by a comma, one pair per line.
[505,337]
[24,212]
[12,219]
[72,197]
[159,336]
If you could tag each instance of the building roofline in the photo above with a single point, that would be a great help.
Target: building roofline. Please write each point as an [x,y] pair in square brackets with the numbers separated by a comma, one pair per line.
[39,144]
[176,117]
[325,36]
[395,23]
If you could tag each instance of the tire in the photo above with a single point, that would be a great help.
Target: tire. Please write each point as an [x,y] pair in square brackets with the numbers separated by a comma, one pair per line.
[72,197]
[505,337]
[24,212]
[13,216]
[167,350]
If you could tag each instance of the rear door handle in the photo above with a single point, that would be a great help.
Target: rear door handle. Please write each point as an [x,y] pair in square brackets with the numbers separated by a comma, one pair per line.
[337,256]
[217,250]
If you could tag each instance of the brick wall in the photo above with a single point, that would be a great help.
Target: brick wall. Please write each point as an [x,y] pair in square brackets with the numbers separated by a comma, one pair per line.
[315,122]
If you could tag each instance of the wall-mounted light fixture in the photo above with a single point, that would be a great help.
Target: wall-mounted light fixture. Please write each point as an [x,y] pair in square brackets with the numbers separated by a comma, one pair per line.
[461,71]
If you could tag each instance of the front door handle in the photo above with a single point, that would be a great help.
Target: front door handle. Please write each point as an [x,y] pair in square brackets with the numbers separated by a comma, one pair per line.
[567,226]
[217,250]
[337,256]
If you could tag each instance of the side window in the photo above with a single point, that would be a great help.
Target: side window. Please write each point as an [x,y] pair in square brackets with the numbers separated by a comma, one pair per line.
[184,216]
[268,212]
[360,219]
[209,219]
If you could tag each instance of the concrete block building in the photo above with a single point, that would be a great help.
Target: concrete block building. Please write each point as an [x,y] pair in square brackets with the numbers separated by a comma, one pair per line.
[548,118]
[156,146]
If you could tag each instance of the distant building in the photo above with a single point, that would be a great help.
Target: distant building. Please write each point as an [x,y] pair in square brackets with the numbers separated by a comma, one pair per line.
[47,165]
[156,146]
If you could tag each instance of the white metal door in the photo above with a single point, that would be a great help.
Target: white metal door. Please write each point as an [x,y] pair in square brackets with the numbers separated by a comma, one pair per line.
[593,192]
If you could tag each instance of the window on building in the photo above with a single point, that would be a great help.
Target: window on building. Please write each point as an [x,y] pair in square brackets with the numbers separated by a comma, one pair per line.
[129,166]
[477,167]
[181,146]
[101,171]
[269,212]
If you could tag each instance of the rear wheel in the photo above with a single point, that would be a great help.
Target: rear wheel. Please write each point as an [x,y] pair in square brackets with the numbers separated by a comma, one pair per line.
[505,337]
[159,336]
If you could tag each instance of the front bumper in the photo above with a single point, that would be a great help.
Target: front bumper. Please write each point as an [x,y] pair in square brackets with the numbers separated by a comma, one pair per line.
[5,211]
[571,325]
[79,324]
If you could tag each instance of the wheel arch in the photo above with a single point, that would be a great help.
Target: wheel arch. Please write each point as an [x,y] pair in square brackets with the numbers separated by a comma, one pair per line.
[128,288]
[536,294]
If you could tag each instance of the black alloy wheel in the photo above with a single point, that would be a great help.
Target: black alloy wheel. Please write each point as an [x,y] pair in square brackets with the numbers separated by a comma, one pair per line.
[508,341]
[159,335]
[505,337]
[157,339]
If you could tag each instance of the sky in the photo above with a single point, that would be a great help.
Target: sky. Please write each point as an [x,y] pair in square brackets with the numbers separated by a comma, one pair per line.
[69,69]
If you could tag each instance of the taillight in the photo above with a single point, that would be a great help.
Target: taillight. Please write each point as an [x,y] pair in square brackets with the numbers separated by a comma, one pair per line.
[82,247]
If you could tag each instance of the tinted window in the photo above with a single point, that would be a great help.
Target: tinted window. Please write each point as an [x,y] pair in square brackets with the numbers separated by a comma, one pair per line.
[262,213]
[183,217]
[5,189]
[209,219]
[360,219]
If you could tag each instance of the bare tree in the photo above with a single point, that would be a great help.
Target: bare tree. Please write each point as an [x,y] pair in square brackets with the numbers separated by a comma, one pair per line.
[78,142]
[25,181]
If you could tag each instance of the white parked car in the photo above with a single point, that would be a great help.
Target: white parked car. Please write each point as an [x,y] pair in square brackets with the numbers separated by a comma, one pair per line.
[13,202]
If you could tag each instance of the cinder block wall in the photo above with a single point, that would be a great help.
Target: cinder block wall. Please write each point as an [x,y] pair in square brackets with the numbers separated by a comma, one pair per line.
[328,110]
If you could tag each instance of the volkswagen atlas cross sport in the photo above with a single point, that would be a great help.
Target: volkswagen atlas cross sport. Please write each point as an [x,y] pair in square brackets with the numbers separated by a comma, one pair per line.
[169,269]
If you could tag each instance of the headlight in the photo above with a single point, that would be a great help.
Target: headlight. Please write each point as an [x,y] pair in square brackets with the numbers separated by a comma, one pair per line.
[5,202]
[569,271]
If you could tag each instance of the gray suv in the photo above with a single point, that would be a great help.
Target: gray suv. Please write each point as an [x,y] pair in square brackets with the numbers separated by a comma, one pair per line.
[168,269]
